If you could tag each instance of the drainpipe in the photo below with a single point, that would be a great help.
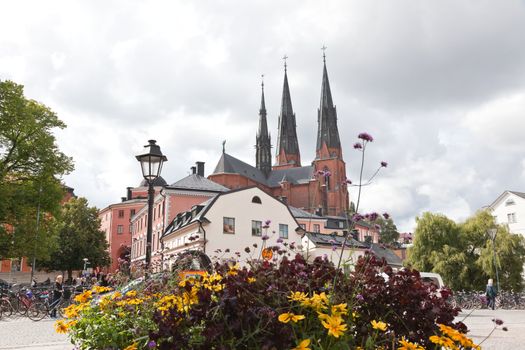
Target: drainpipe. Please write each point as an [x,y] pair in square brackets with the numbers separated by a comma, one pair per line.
[204,236]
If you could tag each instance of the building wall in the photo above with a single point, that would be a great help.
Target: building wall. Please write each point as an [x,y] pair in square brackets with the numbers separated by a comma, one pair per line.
[505,212]
[239,205]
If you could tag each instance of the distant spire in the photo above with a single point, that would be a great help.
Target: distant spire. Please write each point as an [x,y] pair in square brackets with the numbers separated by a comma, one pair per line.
[263,147]
[327,118]
[287,144]
[224,146]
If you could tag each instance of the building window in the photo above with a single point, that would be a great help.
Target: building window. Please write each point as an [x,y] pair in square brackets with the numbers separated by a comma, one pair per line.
[510,201]
[120,229]
[317,228]
[256,199]
[283,231]
[131,212]
[16,265]
[121,213]
[228,225]
[130,228]
[511,217]
[303,226]
[341,224]
[256,228]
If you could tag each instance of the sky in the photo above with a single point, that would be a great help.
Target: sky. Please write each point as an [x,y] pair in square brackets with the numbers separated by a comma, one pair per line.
[440,85]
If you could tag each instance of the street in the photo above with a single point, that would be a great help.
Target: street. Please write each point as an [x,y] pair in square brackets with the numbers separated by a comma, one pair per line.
[22,333]
[480,324]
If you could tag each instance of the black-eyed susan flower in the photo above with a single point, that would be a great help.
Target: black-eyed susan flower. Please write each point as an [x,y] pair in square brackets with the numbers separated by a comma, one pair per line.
[289,316]
[303,345]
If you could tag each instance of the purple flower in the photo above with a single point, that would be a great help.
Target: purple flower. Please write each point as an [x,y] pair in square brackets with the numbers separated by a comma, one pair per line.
[279,240]
[386,216]
[268,222]
[320,172]
[332,241]
[365,137]
[357,217]
[373,216]
[358,145]
[325,257]
[360,297]
[327,173]
[347,181]
[334,248]
[377,226]
[384,164]
[152,344]
[497,321]
[265,237]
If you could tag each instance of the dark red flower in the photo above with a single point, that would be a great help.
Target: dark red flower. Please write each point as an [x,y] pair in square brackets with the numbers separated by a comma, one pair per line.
[384,164]
[366,137]
[358,145]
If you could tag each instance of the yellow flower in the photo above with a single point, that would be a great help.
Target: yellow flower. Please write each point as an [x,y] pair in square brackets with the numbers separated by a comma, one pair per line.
[72,323]
[251,279]
[288,316]
[382,326]
[60,326]
[443,341]
[406,345]
[116,295]
[303,345]
[82,298]
[233,270]
[100,289]
[335,326]
[340,309]
[131,347]
[71,311]
[297,296]
[319,301]
[131,293]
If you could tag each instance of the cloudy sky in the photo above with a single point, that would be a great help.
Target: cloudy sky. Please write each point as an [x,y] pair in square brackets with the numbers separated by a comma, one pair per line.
[439,84]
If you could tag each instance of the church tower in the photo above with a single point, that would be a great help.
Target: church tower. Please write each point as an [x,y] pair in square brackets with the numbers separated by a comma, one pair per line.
[263,152]
[329,164]
[288,155]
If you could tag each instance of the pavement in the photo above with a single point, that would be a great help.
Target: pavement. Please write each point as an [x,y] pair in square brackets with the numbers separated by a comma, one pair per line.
[480,325]
[22,333]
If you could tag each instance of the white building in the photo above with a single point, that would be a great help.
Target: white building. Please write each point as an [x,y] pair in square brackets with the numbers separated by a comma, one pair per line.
[509,209]
[227,224]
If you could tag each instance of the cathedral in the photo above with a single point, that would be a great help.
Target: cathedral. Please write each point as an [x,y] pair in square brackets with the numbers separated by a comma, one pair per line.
[318,188]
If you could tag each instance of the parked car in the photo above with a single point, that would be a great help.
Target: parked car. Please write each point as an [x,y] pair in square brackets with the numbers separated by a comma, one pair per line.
[432,278]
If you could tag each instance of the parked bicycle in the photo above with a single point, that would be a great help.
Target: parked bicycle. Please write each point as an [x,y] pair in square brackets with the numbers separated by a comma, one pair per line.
[40,309]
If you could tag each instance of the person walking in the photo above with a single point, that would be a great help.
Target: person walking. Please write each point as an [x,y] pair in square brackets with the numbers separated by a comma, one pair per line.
[57,294]
[491,293]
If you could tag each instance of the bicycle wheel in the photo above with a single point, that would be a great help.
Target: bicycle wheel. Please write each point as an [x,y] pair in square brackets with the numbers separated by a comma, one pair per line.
[6,309]
[37,311]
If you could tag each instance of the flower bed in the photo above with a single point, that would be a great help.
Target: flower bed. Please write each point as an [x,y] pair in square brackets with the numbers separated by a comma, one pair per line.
[290,305]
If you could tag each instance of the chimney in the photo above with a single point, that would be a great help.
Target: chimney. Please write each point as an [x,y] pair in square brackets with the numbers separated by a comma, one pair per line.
[200,168]
[123,199]
[193,170]
[129,192]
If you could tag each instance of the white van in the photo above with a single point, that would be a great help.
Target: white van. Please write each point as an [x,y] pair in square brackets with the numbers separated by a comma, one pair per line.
[431,277]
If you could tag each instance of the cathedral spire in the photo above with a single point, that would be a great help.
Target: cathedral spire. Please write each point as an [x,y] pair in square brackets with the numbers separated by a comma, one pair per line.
[327,133]
[287,144]
[263,153]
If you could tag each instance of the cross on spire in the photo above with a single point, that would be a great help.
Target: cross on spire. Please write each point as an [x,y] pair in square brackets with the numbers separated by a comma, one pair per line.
[324,53]
[262,81]
[285,65]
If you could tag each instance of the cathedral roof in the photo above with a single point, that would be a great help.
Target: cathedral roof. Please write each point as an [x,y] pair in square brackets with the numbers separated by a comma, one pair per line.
[197,182]
[159,181]
[231,165]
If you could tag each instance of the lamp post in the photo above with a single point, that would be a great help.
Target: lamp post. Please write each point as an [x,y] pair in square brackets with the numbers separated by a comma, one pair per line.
[151,164]
[492,234]
[86,261]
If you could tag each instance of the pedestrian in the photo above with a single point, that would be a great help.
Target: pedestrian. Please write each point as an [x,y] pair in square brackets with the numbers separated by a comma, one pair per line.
[491,293]
[58,289]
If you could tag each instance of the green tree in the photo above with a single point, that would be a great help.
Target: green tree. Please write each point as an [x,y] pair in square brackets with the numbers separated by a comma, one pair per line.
[31,166]
[433,231]
[79,237]
[388,230]
[466,259]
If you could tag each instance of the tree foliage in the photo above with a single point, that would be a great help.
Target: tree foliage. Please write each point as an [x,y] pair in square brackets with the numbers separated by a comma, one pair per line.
[463,253]
[388,230]
[31,166]
[79,237]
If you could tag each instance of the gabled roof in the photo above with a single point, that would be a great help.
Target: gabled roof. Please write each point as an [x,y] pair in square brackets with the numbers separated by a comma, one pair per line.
[322,239]
[231,165]
[501,196]
[382,252]
[299,213]
[197,182]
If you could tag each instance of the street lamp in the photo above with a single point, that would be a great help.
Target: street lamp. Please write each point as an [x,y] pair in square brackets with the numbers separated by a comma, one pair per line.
[492,234]
[151,164]
[86,261]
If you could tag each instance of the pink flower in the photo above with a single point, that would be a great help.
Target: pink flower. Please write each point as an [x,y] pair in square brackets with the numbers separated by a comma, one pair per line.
[357,145]
[365,137]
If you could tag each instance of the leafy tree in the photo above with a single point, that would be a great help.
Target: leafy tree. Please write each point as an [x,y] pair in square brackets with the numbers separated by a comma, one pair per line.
[433,231]
[79,237]
[388,230]
[466,259]
[30,168]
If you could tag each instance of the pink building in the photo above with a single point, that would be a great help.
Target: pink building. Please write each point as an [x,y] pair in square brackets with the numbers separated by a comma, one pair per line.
[168,202]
